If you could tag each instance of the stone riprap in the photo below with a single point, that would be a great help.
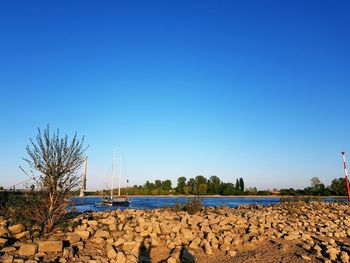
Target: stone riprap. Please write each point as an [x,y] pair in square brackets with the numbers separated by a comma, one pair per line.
[321,229]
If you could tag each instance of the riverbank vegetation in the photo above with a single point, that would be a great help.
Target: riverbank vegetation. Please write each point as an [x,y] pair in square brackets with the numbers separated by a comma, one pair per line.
[200,185]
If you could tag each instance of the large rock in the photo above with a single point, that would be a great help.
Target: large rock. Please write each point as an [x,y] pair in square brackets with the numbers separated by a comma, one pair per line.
[187,234]
[121,258]
[109,221]
[92,223]
[16,229]
[207,248]
[344,257]
[195,243]
[156,228]
[102,233]
[129,245]
[119,242]
[176,228]
[165,228]
[50,246]
[111,253]
[291,236]
[140,220]
[99,242]
[6,259]
[28,249]
[84,234]
[3,242]
[171,260]
[23,235]
[67,252]
[4,232]
[73,238]
[332,253]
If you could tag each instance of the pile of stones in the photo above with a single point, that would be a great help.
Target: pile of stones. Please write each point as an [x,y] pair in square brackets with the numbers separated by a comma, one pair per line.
[322,229]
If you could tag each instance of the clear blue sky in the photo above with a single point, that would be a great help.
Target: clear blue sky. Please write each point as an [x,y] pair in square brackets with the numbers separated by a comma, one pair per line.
[252,89]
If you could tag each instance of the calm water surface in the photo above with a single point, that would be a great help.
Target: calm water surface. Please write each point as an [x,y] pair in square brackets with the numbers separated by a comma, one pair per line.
[151,202]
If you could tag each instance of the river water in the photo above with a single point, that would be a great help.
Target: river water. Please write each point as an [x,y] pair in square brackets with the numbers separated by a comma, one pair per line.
[88,203]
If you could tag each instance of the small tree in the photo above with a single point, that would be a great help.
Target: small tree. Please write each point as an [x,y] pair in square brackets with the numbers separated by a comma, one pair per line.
[241,184]
[237,184]
[214,183]
[58,160]
[181,183]
[167,185]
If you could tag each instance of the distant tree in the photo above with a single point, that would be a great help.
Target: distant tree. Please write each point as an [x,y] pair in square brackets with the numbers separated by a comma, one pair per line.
[214,183]
[186,190]
[181,183]
[315,181]
[289,191]
[149,186]
[229,189]
[166,185]
[201,185]
[202,189]
[317,188]
[237,184]
[241,184]
[192,185]
[338,187]
[58,161]
[252,190]
[200,179]
[158,184]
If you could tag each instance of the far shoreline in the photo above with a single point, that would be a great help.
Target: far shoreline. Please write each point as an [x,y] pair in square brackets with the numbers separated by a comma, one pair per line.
[231,196]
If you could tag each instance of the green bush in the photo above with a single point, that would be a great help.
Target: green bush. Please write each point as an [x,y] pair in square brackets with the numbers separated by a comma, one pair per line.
[293,199]
[193,206]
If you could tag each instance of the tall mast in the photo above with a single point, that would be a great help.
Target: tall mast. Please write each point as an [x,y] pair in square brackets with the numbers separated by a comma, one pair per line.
[113,164]
[120,169]
[83,181]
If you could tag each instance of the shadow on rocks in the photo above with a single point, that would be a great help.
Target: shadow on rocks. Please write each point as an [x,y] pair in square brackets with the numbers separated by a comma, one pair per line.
[144,253]
[185,256]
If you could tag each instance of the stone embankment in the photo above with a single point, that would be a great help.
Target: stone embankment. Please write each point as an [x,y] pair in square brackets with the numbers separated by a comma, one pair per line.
[321,231]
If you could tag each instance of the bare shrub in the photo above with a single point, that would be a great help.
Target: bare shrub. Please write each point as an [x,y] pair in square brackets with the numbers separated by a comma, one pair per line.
[193,206]
[58,161]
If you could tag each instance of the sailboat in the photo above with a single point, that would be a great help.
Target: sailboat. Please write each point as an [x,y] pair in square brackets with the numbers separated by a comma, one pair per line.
[118,200]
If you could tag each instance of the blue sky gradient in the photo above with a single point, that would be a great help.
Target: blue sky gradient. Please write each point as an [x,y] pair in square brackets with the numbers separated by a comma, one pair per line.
[252,89]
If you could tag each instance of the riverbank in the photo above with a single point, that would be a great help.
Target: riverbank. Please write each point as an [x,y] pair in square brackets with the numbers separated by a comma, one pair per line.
[235,196]
[286,232]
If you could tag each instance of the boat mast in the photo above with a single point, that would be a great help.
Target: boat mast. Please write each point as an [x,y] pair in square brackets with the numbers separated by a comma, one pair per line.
[113,164]
[83,180]
[120,169]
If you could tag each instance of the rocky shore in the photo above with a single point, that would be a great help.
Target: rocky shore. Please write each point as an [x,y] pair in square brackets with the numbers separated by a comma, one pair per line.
[287,232]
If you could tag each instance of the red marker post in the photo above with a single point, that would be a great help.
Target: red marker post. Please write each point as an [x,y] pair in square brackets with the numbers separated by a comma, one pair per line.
[346,176]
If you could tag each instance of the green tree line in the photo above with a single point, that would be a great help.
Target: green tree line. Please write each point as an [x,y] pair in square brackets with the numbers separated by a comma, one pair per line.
[199,185]
[337,188]
[213,185]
